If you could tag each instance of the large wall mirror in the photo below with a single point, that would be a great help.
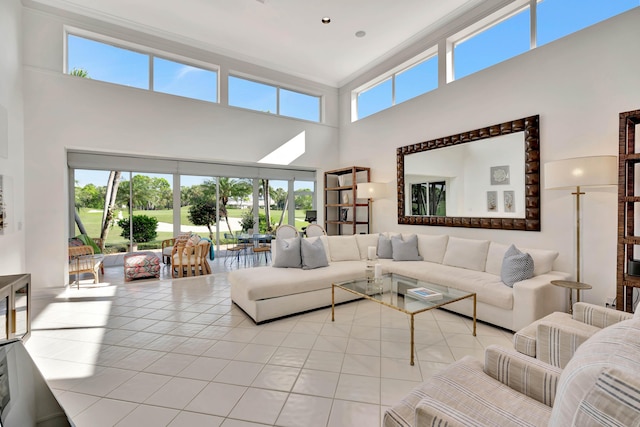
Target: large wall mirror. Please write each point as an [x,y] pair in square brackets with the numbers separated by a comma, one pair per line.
[484,178]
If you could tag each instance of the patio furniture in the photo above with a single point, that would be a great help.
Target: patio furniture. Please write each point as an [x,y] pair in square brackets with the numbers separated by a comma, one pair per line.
[142,264]
[286,231]
[190,260]
[314,230]
[83,260]
[261,245]
[167,246]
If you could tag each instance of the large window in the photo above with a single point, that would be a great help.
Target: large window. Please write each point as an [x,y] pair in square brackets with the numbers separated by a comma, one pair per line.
[272,99]
[105,62]
[185,80]
[489,41]
[399,87]
[558,18]
[494,44]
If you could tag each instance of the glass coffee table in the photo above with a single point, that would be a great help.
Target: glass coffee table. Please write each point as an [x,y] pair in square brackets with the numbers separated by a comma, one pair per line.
[391,290]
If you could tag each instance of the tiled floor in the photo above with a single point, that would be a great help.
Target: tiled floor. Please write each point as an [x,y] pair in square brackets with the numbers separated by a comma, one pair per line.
[179,353]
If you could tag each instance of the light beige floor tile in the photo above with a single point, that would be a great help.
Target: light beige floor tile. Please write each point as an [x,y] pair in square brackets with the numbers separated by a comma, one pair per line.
[170,364]
[204,368]
[148,415]
[239,373]
[345,413]
[325,361]
[216,399]
[192,419]
[358,388]
[176,393]
[317,383]
[104,413]
[305,411]
[285,356]
[274,377]
[139,388]
[259,406]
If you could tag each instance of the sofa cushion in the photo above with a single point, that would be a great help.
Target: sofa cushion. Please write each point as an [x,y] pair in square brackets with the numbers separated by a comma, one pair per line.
[312,253]
[495,256]
[288,253]
[385,250]
[405,248]
[613,349]
[343,248]
[466,253]
[432,248]
[516,266]
[542,260]
[265,282]
[364,241]
[488,287]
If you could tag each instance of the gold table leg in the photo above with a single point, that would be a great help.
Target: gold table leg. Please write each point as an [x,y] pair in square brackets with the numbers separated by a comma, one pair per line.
[333,302]
[412,345]
[474,314]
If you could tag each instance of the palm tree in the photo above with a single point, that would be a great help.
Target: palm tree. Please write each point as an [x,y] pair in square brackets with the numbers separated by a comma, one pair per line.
[79,72]
[230,188]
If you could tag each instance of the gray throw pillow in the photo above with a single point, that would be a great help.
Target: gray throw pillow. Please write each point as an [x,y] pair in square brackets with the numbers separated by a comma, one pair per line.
[516,266]
[405,250]
[384,247]
[313,254]
[288,253]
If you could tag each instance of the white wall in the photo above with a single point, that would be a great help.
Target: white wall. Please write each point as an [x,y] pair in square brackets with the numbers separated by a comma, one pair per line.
[578,85]
[63,112]
[12,240]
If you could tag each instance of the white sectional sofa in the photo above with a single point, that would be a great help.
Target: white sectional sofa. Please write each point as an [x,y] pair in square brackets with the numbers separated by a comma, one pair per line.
[267,293]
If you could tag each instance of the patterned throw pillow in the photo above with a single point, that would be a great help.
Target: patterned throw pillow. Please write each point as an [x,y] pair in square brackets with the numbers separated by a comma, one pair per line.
[516,266]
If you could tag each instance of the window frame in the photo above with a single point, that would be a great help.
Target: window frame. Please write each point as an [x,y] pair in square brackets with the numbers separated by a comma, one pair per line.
[278,87]
[151,53]
[428,54]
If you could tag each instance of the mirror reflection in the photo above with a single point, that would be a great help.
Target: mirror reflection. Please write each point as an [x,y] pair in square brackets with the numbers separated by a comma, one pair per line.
[484,178]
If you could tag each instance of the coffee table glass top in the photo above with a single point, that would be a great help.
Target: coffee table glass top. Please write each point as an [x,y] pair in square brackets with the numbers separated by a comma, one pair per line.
[391,289]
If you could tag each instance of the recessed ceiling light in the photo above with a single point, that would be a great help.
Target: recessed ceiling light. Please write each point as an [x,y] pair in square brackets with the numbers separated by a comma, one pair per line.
[326,20]
[360,33]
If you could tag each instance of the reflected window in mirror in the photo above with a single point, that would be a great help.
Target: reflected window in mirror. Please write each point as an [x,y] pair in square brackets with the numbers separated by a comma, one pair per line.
[449,181]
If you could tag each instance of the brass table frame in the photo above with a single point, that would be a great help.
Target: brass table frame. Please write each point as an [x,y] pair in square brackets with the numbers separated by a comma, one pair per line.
[395,307]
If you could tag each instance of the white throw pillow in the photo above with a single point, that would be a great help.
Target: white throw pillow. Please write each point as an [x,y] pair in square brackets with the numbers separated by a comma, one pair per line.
[364,241]
[495,256]
[542,260]
[432,248]
[466,253]
[343,248]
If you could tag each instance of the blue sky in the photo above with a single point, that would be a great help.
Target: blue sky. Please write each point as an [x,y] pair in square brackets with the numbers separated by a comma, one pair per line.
[556,19]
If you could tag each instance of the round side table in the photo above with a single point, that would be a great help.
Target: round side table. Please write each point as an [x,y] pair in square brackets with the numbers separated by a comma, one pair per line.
[571,285]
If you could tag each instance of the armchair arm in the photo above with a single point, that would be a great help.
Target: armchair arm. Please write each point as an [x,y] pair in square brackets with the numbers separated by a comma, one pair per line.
[431,412]
[536,297]
[522,373]
[598,316]
[557,343]
[168,242]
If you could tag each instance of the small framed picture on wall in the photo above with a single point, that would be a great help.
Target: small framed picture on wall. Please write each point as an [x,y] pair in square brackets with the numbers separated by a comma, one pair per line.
[492,201]
[509,201]
[500,175]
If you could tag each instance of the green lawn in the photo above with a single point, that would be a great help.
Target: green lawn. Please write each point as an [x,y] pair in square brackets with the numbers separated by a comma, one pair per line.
[91,219]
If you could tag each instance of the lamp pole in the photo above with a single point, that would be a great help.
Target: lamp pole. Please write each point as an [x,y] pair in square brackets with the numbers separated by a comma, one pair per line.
[578,194]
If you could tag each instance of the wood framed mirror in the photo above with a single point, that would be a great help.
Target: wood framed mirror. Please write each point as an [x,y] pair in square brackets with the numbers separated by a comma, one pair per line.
[483,178]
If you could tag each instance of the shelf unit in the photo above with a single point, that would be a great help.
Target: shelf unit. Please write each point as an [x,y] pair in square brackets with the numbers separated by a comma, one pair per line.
[340,199]
[628,197]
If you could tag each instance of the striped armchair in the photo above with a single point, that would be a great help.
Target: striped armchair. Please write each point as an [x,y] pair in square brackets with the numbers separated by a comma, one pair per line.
[599,386]
[555,338]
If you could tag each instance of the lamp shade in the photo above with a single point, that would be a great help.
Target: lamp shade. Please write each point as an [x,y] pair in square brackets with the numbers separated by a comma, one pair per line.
[581,172]
[370,190]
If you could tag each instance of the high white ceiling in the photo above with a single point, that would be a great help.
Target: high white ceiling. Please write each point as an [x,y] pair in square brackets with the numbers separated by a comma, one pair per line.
[285,35]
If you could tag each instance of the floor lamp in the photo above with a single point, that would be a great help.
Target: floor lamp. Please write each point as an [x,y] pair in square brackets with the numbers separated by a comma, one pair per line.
[371,191]
[578,173]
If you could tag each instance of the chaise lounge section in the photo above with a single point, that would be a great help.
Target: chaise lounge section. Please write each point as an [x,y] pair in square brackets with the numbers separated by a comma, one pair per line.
[267,293]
